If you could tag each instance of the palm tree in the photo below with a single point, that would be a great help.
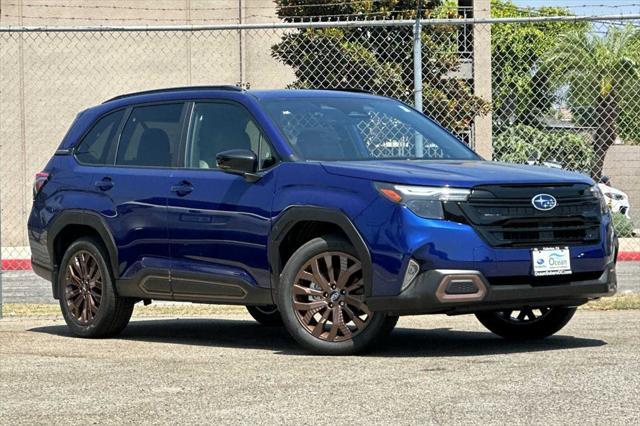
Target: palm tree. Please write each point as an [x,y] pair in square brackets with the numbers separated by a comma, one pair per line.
[601,73]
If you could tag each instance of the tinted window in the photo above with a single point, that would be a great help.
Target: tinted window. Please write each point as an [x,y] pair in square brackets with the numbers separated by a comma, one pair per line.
[98,146]
[218,127]
[151,136]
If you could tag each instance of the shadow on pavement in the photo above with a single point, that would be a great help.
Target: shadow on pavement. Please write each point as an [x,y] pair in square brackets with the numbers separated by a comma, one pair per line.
[404,342]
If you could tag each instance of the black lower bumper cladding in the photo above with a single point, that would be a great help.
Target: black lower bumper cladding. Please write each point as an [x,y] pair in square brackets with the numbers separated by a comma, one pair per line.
[463,291]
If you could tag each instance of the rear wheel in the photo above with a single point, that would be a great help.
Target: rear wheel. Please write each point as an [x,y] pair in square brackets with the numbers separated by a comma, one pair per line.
[88,301]
[266,314]
[526,323]
[322,301]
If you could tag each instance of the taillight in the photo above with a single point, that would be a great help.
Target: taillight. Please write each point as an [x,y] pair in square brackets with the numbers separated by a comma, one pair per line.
[41,179]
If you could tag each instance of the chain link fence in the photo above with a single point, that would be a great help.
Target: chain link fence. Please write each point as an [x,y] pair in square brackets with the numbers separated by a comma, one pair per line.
[555,91]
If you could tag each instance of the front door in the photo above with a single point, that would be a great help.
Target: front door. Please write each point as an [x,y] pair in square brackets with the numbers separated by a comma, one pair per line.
[219,222]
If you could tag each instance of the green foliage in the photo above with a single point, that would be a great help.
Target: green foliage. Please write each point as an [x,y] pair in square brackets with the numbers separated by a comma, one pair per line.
[521,92]
[622,225]
[629,117]
[520,143]
[337,10]
[596,67]
[602,75]
[379,59]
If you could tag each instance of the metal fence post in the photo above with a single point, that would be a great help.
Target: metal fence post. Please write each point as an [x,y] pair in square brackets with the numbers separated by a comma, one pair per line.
[417,75]
[417,63]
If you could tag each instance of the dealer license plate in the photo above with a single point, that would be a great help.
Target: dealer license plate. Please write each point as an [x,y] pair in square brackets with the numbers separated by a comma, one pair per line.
[551,261]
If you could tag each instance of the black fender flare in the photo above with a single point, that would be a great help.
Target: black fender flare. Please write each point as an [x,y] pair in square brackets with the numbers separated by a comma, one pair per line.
[85,218]
[295,214]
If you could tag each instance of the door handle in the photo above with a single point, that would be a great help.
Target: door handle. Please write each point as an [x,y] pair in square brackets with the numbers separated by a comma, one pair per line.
[183,188]
[105,184]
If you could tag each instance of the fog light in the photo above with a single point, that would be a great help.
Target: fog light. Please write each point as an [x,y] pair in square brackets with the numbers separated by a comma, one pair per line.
[412,270]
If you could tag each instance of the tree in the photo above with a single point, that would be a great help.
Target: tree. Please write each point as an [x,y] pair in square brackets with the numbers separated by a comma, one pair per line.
[521,91]
[520,143]
[601,73]
[379,59]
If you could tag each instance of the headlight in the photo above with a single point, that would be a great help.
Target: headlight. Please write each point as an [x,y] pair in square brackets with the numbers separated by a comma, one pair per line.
[613,196]
[595,191]
[424,201]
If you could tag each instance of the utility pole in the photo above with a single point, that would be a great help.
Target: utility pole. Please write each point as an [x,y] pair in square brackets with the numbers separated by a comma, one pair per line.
[417,74]
[482,125]
[417,58]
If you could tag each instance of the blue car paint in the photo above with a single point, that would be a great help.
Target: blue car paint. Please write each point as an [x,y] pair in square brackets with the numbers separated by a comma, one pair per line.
[225,221]
[224,225]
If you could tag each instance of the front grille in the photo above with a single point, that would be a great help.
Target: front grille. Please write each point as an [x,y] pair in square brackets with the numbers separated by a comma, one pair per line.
[505,217]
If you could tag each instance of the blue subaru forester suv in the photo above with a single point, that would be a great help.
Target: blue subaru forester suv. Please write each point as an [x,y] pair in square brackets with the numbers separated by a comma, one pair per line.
[331,212]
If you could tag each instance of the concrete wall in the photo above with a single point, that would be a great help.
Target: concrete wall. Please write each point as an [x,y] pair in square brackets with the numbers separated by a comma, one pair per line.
[47,78]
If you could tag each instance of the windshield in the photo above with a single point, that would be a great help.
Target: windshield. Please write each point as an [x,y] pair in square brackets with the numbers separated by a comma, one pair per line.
[352,129]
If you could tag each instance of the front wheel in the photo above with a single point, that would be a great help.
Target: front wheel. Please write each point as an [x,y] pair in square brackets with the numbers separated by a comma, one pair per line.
[322,301]
[526,323]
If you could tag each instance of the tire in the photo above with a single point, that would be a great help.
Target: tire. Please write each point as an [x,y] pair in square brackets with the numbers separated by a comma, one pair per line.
[526,324]
[266,315]
[321,304]
[88,301]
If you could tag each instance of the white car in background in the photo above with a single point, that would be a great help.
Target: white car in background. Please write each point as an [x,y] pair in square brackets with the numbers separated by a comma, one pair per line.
[617,200]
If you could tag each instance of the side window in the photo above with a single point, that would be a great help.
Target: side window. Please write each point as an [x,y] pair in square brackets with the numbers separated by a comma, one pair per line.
[266,155]
[259,145]
[98,146]
[151,136]
[218,127]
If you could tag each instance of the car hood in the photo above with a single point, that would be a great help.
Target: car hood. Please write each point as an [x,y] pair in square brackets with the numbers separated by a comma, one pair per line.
[464,174]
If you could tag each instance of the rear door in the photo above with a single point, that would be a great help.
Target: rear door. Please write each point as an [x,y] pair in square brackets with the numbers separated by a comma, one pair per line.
[137,187]
[219,222]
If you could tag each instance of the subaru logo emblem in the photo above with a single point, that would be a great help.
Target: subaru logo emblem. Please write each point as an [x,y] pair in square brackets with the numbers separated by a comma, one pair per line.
[544,202]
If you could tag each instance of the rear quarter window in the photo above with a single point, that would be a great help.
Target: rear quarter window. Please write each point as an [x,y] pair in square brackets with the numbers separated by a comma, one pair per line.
[99,145]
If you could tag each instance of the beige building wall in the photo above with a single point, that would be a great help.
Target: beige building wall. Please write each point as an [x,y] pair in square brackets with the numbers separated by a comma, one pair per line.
[262,71]
[47,78]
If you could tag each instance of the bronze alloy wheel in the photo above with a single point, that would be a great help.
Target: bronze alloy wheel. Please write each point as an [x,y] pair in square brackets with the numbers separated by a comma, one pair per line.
[524,315]
[328,297]
[83,287]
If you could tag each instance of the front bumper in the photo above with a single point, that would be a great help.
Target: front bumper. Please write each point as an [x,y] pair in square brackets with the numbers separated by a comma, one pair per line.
[466,291]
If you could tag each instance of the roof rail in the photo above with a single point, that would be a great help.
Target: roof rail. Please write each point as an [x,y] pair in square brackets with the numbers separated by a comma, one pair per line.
[345,89]
[176,89]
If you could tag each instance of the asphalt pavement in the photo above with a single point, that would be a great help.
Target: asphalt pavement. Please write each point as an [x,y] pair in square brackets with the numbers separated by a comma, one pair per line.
[230,370]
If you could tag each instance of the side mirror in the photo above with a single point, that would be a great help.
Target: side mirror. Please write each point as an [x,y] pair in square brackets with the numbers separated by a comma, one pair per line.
[238,161]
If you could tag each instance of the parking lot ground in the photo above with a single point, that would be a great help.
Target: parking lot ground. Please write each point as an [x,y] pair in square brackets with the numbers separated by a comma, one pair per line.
[228,369]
